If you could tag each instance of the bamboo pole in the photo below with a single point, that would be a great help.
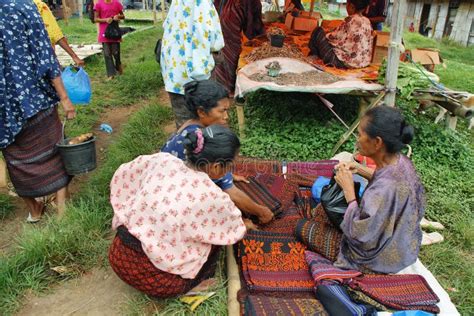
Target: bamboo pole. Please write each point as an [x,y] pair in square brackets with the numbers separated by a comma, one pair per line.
[399,11]
[233,307]
[163,10]
[154,11]
[80,4]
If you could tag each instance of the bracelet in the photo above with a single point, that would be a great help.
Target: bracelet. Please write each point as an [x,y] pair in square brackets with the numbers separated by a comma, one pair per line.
[353,200]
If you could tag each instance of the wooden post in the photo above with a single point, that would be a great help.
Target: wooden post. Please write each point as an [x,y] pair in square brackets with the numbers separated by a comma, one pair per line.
[163,11]
[233,306]
[3,173]
[153,3]
[240,118]
[80,4]
[65,13]
[399,11]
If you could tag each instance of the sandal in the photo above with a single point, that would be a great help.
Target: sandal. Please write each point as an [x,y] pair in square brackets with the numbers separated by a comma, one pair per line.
[431,238]
[431,225]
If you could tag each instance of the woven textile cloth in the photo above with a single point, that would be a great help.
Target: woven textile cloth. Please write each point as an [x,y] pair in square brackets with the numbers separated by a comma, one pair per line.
[401,291]
[274,262]
[260,305]
[33,161]
[259,194]
[323,269]
[337,302]
[323,168]
[319,235]
[133,266]
[250,167]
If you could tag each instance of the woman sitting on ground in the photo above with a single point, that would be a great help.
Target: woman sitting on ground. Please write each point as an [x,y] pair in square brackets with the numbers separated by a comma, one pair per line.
[349,45]
[171,217]
[208,101]
[382,233]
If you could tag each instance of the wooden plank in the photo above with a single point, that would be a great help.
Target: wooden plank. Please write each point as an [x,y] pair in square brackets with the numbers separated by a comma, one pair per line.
[394,49]
[81,51]
[233,306]
[3,173]
[354,125]
[240,118]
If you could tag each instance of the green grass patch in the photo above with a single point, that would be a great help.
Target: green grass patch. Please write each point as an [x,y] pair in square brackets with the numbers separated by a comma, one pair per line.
[6,206]
[86,33]
[80,238]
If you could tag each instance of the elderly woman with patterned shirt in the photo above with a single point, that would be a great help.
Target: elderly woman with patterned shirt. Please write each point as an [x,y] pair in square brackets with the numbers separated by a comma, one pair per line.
[382,233]
[350,44]
[171,217]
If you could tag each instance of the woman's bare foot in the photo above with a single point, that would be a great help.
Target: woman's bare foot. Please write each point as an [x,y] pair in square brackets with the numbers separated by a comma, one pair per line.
[36,209]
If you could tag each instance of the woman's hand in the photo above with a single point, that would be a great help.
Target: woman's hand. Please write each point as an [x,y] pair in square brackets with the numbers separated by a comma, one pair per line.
[79,62]
[266,215]
[238,178]
[116,17]
[69,110]
[344,179]
[109,20]
[249,224]
[349,165]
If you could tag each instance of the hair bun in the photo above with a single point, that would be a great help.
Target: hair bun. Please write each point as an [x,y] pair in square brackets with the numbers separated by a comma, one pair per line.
[190,87]
[190,141]
[407,135]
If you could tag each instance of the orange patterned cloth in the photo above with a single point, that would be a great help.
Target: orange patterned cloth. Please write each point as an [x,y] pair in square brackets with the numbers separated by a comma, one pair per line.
[274,262]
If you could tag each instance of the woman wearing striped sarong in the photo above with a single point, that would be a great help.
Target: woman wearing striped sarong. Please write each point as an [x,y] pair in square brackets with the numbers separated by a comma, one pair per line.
[30,89]
[236,16]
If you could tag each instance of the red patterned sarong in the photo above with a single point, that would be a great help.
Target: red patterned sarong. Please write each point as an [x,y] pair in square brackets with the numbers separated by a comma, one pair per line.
[133,266]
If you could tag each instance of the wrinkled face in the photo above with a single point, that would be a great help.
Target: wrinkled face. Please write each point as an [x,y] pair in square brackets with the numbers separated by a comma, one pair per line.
[366,145]
[217,115]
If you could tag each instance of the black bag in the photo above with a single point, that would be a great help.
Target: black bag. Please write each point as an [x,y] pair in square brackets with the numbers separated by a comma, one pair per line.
[158,51]
[334,202]
[113,31]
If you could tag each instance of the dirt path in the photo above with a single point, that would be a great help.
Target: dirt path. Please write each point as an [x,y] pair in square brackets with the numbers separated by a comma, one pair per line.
[98,292]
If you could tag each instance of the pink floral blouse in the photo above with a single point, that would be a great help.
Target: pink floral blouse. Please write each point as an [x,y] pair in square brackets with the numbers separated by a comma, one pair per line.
[353,41]
[176,212]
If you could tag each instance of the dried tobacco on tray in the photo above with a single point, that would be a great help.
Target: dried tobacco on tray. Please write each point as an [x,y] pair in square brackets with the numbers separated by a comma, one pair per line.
[307,78]
[267,51]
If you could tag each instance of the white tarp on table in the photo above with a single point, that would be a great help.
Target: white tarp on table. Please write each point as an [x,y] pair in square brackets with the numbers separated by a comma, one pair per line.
[245,85]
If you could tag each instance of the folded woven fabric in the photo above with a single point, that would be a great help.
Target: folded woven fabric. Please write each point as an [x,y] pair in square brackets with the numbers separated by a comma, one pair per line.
[323,168]
[274,262]
[323,269]
[398,291]
[319,235]
[259,194]
[337,302]
[250,166]
[256,305]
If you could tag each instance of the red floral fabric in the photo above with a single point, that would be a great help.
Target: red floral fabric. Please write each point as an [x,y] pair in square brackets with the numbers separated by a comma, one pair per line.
[353,41]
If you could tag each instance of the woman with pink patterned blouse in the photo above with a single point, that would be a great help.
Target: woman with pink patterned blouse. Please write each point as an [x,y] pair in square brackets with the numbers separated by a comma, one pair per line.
[171,218]
[349,45]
